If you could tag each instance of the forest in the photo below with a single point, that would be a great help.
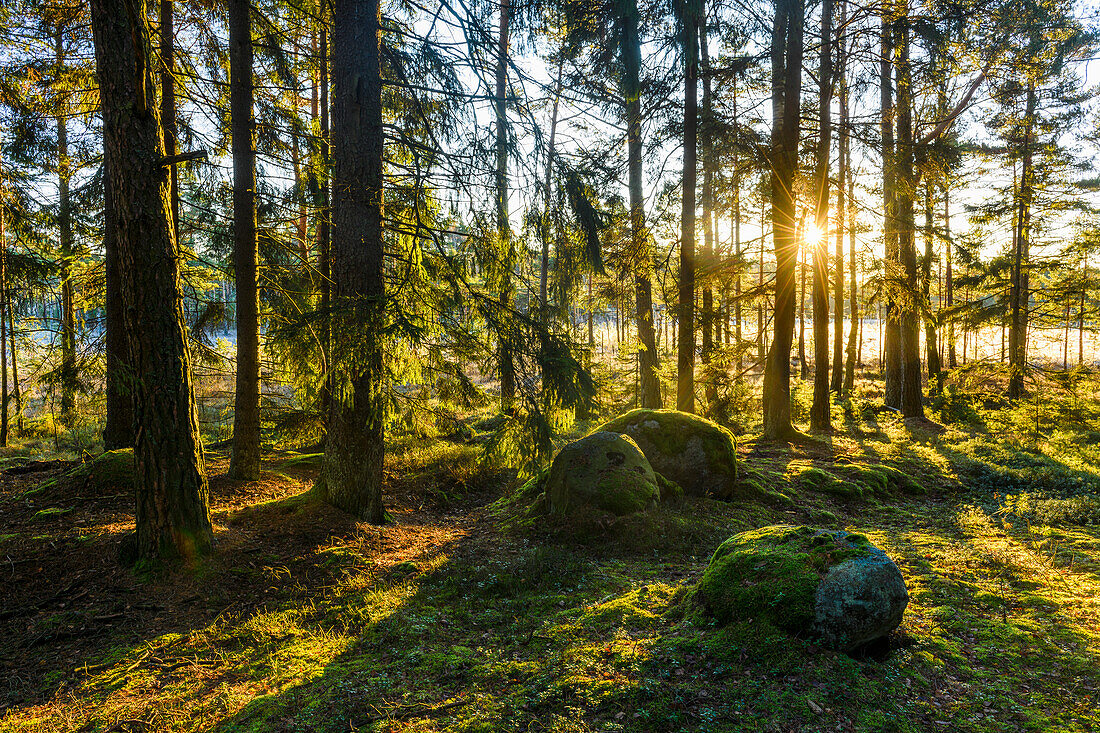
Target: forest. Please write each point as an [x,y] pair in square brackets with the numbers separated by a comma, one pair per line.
[549,365]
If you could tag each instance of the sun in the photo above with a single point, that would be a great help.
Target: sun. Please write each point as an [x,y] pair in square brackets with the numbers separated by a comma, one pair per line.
[813,235]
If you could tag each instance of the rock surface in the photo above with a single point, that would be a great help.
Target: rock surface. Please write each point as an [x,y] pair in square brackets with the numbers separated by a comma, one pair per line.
[833,586]
[696,453]
[605,471]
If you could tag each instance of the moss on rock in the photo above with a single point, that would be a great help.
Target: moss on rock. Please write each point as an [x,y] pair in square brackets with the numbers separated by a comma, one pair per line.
[605,471]
[692,451]
[111,472]
[832,585]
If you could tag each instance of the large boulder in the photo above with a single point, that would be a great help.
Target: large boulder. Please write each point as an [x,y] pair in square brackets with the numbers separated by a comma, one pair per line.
[696,453]
[605,471]
[832,586]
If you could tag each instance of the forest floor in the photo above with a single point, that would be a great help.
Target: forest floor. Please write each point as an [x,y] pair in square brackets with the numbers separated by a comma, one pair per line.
[460,616]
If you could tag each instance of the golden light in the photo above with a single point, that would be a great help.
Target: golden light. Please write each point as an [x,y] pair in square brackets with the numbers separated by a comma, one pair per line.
[813,235]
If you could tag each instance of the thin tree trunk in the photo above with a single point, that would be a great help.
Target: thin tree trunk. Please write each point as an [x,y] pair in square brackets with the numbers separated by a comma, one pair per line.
[639,238]
[12,338]
[837,381]
[1017,352]
[685,350]
[890,346]
[803,366]
[324,221]
[244,462]
[351,474]
[854,350]
[65,237]
[760,297]
[544,268]
[931,348]
[173,517]
[711,324]
[504,229]
[4,323]
[786,50]
[950,281]
[820,419]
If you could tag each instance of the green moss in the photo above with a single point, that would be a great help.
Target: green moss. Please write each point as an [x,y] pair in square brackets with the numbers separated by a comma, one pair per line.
[670,490]
[772,573]
[109,472]
[670,431]
[698,454]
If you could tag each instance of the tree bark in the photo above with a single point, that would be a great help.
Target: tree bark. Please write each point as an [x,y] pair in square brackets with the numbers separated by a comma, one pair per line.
[650,391]
[836,383]
[244,461]
[173,517]
[786,51]
[931,347]
[709,314]
[890,345]
[907,179]
[820,419]
[118,432]
[351,474]
[1017,351]
[324,221]
[685,342]
[504,229]
[168,105]
[65,239]
[544,264]
[949,283]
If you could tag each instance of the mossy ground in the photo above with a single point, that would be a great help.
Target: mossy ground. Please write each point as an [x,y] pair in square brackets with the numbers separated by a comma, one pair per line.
[451,619]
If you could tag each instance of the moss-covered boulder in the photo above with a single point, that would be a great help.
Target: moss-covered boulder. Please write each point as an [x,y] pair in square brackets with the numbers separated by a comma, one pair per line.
[696,453]
[111,472]
[833,586]
[605,471]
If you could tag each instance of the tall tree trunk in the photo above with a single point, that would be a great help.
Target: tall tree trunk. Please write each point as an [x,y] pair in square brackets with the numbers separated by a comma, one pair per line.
[820,418]
[890,346]
[324,221]
[168,105]
[118,431]
[685,342]
[1017,352]
[17,395]
[711,323]
[931,346]
[173,516]
[244,461]
[65,237]
[544,265]
[639,235]
[351,474]
[504,229]
[786,51]
[803,364]
[907,180]
[836,383]
[4,322]
[760,356]
[855,336]
[949,294]
[735,227]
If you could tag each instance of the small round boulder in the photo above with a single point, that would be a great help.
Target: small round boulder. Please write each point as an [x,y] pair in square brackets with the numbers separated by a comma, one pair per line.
[833,586]
[696,453]
[605,471]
